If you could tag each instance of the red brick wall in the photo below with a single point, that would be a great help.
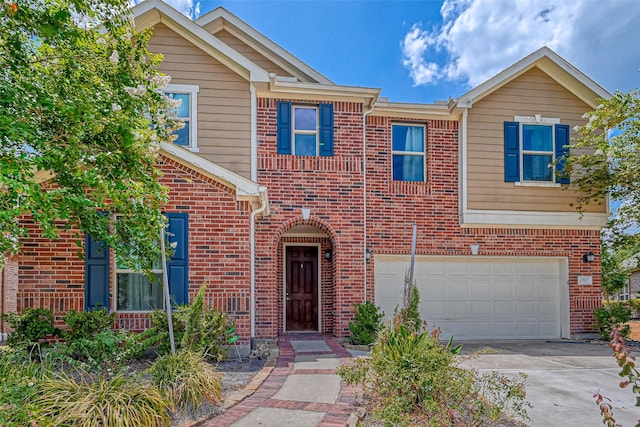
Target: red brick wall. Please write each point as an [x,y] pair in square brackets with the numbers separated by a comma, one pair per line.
[52,274]
[393,207]
[332,188]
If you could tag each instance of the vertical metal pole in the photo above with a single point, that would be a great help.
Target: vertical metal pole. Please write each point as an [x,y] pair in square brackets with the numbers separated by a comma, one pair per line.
[167,298]
[413,254]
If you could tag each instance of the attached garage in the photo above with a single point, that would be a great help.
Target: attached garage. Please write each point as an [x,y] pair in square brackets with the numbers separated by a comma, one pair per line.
[475,298]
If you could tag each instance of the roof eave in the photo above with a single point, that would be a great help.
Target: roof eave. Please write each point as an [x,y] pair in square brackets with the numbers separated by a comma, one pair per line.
[527,63]
[151,12]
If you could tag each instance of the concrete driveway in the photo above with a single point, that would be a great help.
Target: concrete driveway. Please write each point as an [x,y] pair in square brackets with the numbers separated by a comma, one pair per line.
[562,378]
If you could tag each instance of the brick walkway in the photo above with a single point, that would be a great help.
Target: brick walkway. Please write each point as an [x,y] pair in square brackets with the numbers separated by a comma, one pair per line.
[336,414]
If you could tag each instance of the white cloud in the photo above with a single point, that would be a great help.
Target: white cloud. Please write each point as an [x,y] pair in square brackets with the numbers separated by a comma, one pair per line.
[186,7]
[479,38]
[414,46]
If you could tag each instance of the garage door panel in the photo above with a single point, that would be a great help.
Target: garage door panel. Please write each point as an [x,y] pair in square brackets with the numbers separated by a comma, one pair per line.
[478,297]
[503,289]
[503,309]
[481,308]
[527,289]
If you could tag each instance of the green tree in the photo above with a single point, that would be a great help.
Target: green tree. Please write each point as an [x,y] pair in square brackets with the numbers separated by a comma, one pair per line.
[81,114]
[606,162]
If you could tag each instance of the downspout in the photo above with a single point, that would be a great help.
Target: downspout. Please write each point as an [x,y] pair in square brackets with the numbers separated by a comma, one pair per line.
[364,198]
[252,256]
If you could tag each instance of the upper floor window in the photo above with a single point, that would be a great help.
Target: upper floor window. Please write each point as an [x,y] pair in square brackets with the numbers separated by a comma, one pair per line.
[186,112]
[305,130]
[408,152]
[532,146]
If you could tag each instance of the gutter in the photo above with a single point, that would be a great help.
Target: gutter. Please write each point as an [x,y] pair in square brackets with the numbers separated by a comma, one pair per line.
[264,205]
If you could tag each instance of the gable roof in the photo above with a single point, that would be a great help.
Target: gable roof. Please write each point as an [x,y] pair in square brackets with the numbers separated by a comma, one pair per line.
[151,12]
[220,18]
[553,65]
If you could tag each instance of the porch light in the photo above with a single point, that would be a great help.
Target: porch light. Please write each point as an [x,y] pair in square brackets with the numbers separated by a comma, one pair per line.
[328,254]
[588,257]
[367,254]
[474,249]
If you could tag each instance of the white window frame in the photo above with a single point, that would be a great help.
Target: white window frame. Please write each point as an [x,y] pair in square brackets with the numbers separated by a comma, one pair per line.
[539,121]
[423,153]
[295,132]
[192,91]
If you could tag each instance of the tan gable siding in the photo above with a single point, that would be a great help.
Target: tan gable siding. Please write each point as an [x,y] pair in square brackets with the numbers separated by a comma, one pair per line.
[532,93]
[250,53]
[224,100]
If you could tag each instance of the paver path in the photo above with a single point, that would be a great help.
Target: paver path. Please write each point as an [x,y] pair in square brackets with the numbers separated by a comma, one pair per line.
[302,390]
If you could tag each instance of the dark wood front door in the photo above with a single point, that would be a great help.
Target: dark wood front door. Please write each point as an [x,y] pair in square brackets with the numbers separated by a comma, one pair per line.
[302,288]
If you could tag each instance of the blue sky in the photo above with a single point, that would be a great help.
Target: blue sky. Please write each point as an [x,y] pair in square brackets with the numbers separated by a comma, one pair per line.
[423,50]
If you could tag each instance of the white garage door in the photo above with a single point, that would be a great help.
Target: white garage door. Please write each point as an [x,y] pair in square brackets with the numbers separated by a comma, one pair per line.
[480,297]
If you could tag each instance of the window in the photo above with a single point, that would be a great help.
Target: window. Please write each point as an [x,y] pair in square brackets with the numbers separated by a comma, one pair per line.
[186,112]
[408,152]
[532,145]
[305,130]
[134,291]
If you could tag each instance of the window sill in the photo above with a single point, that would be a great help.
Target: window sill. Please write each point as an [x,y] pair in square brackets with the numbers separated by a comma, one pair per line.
[537,184]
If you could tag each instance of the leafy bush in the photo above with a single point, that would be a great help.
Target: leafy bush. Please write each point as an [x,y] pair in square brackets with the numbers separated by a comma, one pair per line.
[610,315]
[411,379]
[100,401]
[86,324]
[195,327]
[366,324]
[106,351]
[186,379]
[19,384]
[30,326]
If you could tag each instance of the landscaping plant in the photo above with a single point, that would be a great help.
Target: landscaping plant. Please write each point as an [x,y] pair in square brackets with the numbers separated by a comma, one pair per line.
[186,379]
[30,326]
[412,379]
[611,314]
[92,401]
[627,361]
[195,327]
[19,385]
[366,324]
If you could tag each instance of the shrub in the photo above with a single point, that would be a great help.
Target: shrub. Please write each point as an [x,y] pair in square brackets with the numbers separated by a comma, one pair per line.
[366,324]
[100,401]
[19,385]
[30,326]
[106,351]
[411,379]
[610,315]
[86,324]
[186,379]
[195,327]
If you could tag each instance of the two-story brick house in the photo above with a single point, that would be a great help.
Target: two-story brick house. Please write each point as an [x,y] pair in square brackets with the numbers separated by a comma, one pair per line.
[294,198]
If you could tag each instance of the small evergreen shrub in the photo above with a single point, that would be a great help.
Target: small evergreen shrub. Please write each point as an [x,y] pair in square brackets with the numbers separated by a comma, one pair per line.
[195,327]
[609,315]
[30,326]
[86,324]
[366,324]
[186,379]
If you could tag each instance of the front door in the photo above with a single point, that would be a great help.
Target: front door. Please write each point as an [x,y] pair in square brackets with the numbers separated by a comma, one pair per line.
[302,288]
